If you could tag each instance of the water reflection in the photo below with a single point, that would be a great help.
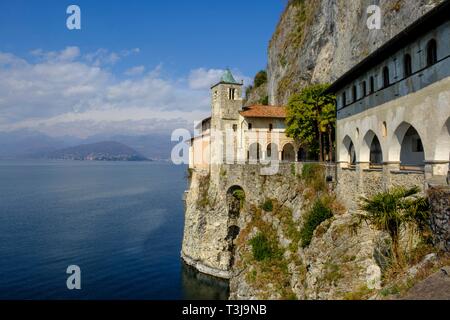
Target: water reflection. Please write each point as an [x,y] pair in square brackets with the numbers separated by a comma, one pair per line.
[199,286]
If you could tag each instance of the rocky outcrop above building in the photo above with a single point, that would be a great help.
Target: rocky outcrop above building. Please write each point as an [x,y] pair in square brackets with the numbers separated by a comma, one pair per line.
[319,40]
[257,95]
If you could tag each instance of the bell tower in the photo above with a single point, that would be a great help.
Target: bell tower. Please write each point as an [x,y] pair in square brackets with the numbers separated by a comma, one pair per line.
[226,102]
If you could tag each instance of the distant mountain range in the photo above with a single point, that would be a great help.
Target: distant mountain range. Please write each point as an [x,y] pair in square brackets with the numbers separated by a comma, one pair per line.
[28,144]
[100,151]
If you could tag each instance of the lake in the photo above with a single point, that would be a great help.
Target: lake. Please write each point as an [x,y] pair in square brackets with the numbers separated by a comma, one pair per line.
[120,222]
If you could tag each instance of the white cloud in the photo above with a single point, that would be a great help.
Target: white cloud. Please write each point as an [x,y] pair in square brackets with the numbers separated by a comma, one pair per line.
[67,54]
[65,92]
[135,71]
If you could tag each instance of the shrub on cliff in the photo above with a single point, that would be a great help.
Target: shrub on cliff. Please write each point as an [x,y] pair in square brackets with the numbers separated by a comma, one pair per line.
[260,78]
[261,247]
[319,213]
[314,175]
[267,205]
[393,210]
[239,194]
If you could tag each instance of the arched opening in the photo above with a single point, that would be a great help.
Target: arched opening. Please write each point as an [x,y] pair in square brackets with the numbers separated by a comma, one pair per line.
[386,78]
[431,52]
[235,201]
[349,154]
[376,153]
[288,153]
[371,150]
[272,152]
[407,65]
[412,155]
[254,152]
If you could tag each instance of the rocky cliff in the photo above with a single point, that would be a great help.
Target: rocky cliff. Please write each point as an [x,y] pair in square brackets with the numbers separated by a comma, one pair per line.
[319,40]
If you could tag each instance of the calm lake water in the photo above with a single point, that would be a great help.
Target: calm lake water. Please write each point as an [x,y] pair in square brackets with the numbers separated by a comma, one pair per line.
[121,223]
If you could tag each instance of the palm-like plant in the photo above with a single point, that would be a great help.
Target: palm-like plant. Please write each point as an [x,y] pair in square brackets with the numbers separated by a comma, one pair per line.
[391,211]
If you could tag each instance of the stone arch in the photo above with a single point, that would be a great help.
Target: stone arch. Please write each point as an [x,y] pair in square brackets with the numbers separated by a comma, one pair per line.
[442,150]
[348,153]
[407,147]
[371,150]
[235,202]
[254,152]
[288,153]
[272,151]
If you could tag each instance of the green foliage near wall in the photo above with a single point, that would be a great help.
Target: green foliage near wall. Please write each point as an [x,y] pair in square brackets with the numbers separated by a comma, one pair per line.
[314,176]
[239,194]
[310,117]
[260,78]
[262,248]
[265,101]
[268,205]
[393,211]
[319,213]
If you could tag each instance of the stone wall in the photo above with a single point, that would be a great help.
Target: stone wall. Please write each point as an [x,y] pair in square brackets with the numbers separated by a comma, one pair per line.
[207,221]
[359,181]
[440,216]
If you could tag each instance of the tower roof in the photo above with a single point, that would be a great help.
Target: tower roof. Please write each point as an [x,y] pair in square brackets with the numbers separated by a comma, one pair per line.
[227,77]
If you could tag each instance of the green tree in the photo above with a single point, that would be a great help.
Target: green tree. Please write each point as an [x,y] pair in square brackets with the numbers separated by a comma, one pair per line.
[327,123]
[260,78]
[391,211]
[310,114]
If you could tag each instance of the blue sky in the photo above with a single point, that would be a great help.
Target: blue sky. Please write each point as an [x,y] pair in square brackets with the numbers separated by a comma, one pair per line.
[181,35]
[135,67]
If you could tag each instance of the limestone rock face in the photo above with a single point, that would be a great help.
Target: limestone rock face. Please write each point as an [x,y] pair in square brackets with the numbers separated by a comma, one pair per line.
[319,40]
[256,95]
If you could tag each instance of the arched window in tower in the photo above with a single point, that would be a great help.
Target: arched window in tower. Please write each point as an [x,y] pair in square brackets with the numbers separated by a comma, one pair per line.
[355,93]
[407,65]
[431,52]
[372,85]
[231,93]
[386,81]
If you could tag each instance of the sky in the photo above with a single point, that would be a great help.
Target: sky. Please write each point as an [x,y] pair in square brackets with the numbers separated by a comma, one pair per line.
[135,67]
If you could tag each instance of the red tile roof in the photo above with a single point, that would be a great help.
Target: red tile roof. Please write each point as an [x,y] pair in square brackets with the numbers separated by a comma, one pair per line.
[260,111]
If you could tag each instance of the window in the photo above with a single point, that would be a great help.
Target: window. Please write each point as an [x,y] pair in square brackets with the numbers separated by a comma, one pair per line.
[270,127]
[364,88]
[355,93]
[234,127]
[250,126]
[372,85]
[386,82]
[407,65]
[344,99]
[431,52]
[231,93]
